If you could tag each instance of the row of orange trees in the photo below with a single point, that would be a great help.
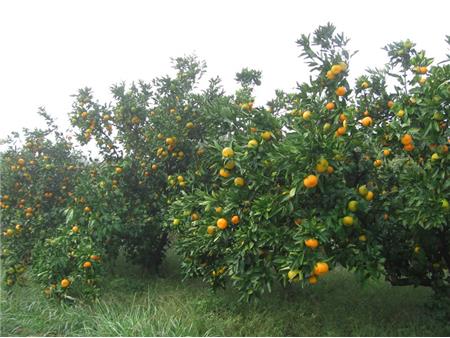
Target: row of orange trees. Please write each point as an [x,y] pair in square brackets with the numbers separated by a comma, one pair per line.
[333,173]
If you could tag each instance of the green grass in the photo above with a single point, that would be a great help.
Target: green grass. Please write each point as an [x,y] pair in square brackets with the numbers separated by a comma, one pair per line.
[136,305]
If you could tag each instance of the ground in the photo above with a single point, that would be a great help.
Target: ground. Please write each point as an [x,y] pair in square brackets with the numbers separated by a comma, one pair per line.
[137,305]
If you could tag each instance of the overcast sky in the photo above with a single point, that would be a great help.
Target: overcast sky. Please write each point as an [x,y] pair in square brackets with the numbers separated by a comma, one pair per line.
[49,49]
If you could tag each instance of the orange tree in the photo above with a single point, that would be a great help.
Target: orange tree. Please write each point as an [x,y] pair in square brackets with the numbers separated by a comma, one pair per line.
[150,141]
[332,187]
[38,178]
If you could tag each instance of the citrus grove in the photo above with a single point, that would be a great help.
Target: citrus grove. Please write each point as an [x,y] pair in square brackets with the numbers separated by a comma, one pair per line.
[334,173]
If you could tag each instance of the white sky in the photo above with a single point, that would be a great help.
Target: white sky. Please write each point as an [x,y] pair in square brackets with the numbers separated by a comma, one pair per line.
[49,49]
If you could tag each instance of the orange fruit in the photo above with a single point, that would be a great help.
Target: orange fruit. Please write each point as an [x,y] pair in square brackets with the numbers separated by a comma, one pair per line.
[170,141]
[119,170]
[266,135]
[219,210]
[65,283]
[330,106]
[95,257]
[377,163]
[307,115]
[195,216]
[211,229]
[312,280]
[224,173]
[311,181]
[367,121]
[230,165]
[423,70]
[336,69]
[154,167]
[369,196]
[189,125]
[222,223]
[87,209]
[75,228]
[87,265]
[252,143]
[341,131]
[386,152]
[330,169]
[21,162]
[330,75]
[408,147]
[406,139]
[239,181]
[312,243]
[348,220]
[320,268]
[341,91]
[235,219]
[390,104]
[342,117]
[364,85]
[227,152]
[298,221]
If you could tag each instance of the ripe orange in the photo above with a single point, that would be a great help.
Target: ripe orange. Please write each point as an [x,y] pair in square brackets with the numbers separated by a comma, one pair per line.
[170,141]
[306,115]
[386,152]
[409,147]
[266,135]
[341,131]
[189,125]
[320,268]
[239,181]
[390,104]
[367,121]
[423,70]
[330,169]
[377,163]
[330,106]
[227,152]
[65,283]
[312,280]
[369,196]
[311,181]
[119,170]
[224,173]
[330,75]
[222,223]
[211,229]
[348,220]
[219,210]
[21,162]
[95,257]
[406,139]
[154,167]
[341,91]
[312,243]
[75,228]
[364,85]
[342,117]
[87,265]
[336,69]
[87,209]
[298,221]
[195,216]
[235,219]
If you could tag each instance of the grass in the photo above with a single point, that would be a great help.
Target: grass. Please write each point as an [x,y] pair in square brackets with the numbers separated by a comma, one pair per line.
[137,305]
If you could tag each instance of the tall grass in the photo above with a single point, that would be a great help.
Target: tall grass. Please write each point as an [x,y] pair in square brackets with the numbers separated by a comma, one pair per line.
[139,305]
